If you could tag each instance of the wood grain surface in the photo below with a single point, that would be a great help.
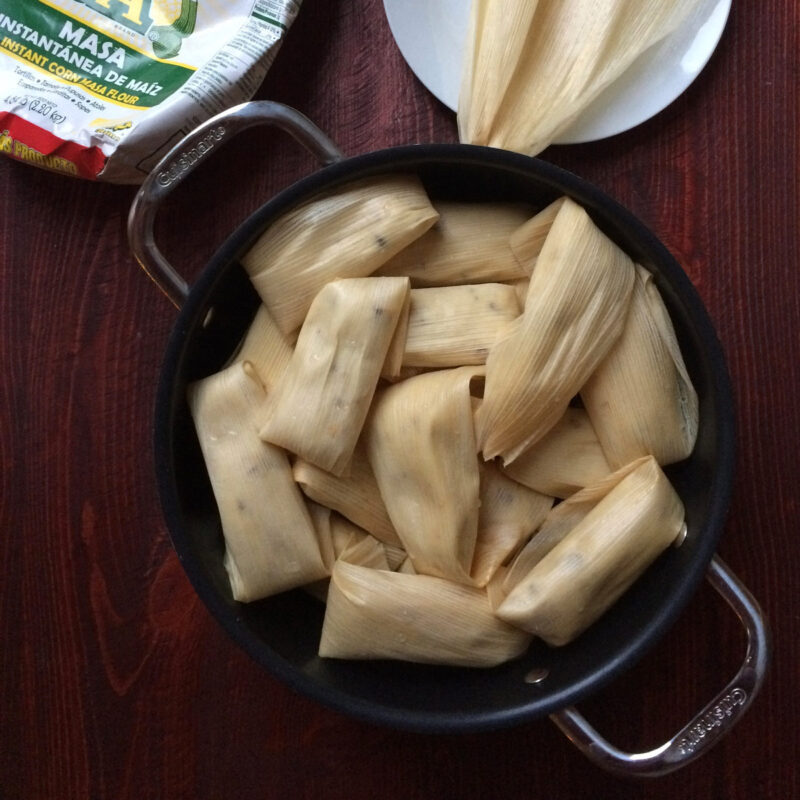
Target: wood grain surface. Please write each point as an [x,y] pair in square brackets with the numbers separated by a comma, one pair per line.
[117,683]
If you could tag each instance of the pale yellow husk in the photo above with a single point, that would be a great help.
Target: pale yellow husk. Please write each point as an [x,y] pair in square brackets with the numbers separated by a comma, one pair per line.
[509,514]
[355,546]
[494,51]
[270,541]
[520,287]
[526,242]
[349,232]
[355,495]
[266,348]
[453,326]
[641,399]
[561,519]
[531,67]
[574,312]
[373,614]
[319,408]
[321,519]
[470,243]
[341,539]
[421,445]
[567,458]
[392,368]
[583,575]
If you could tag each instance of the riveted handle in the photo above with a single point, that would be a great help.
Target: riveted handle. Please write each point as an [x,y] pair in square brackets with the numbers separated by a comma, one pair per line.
[712,722]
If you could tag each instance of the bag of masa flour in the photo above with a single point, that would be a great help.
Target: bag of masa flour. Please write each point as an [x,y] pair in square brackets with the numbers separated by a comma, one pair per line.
[102,88]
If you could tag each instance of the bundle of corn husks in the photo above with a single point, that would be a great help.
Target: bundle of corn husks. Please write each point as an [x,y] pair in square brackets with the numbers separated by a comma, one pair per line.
[532,66]
[394,434]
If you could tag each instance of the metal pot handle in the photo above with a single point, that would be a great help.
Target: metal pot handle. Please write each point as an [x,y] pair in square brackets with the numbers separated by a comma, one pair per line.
[193,150]
[712,722]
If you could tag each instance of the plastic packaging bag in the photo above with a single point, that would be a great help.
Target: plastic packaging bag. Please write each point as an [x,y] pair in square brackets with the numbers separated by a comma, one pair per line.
[102,88]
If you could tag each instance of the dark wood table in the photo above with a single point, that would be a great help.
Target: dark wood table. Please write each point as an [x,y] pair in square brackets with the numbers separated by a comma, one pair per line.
[116,681]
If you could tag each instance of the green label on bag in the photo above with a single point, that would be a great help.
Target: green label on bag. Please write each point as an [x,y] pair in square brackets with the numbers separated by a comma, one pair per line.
[72,51]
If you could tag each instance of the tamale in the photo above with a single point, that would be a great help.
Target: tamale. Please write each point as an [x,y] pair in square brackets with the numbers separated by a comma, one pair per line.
[266,348]
[319,408]
[348,232]
[355,495]
[375,614]
[640,399]
[269,546]
[567,458]
[574,312]
[470,243]
[453,326]
[590,568]
[509,513]
[421,445]
[560,520]
[531,68]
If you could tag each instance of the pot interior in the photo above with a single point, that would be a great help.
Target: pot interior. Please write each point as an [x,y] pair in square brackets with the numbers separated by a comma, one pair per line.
[282,633]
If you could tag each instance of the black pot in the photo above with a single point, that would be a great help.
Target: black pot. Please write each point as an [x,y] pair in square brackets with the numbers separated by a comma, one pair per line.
[282,632]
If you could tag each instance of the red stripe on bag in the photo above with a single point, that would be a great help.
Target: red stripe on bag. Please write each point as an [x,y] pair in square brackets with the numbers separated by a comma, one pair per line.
[31,144]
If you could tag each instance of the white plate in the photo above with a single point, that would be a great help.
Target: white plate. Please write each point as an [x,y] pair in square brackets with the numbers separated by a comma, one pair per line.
[430,35]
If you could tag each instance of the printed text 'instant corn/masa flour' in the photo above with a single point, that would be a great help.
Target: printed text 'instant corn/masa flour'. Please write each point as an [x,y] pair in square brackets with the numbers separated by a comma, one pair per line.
[102,88]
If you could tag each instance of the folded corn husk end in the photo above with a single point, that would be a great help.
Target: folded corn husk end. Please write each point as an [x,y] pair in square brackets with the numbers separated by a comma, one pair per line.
[319,409]
[586,572]
[374,614]
[575,310]
[566,459]
[420,443]
[268,549]
[347,233]
[641,399]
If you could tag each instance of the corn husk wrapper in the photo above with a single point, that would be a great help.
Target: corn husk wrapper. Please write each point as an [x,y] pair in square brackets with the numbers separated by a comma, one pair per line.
[355,546]
[421,445]
[320,406]
[321,519]
[527,241]
[270,546]
[266,348]
[406,567]
[341,539]
[375,614]
[567,458]
[470,243]
[355,495]
[532,66]
[521,287]
[509,514]
[347,233]
[575,311]
[641,399]
[583,575]
[453,326]
[561,519]
[392,369]
[396,556]
[494,50]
